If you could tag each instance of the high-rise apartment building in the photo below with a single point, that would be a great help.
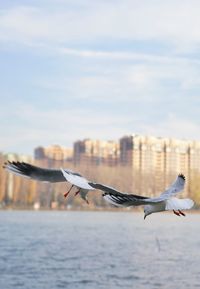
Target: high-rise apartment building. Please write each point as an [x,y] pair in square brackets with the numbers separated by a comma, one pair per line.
[96,152]
[54,152]
[158,160]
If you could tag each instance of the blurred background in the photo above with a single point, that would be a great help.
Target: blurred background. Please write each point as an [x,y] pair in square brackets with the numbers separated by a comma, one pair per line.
[143,165]
[109,89]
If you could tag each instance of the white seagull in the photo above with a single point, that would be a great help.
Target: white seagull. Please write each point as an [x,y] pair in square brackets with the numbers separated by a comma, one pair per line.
[165,202]
[51,175]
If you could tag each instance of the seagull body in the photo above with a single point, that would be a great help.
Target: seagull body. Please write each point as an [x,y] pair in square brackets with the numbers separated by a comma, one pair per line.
[79,182]
[165,202]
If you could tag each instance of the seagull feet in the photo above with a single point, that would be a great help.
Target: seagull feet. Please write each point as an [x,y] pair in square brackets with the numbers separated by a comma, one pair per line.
[77,193]
[67,193]
[176,213]
[179,213]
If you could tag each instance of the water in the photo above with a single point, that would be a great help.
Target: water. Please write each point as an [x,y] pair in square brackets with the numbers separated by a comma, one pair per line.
[98,250]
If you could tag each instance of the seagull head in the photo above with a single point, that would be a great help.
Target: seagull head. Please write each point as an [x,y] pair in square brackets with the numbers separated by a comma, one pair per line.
[147,211]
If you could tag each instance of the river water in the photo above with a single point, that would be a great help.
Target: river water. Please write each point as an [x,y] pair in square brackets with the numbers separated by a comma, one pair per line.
[98,250]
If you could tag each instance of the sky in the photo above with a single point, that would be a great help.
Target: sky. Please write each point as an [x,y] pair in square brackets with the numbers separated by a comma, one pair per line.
[76,69]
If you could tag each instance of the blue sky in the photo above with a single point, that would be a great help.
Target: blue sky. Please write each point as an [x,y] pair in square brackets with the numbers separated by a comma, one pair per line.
[100,69]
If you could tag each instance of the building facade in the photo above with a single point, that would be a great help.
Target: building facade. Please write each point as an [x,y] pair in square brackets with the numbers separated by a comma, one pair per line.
[158,160]
[96,152]
[54,153]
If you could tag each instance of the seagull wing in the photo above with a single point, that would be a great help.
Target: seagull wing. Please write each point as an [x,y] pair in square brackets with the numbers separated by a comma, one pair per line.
[179,204]
[120,199]
[77,180]
[175,188]
[37,173]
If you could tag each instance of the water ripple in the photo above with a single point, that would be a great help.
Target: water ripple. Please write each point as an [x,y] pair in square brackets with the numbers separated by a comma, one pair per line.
[89,250]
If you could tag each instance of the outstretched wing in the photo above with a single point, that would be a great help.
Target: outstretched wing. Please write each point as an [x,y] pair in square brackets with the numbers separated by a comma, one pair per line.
[179,204]
[175,188]
[37,173]
[120,199]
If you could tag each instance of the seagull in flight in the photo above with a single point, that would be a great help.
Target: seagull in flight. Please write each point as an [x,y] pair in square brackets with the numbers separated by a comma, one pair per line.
[53,176]
[167,201]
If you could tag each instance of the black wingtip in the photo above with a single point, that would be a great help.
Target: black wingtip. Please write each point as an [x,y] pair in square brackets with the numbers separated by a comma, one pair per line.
[5,165]
[182,176]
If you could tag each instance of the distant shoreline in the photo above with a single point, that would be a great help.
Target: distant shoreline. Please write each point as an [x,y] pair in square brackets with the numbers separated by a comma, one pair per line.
[126,210]
[72,209]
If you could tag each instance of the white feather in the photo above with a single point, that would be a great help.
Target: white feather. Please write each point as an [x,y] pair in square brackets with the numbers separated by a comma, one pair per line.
[175,188]
[77,181]
[179,204]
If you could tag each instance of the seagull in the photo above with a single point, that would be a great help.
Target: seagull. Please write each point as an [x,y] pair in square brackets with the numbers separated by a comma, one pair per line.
[165,202]
[53,176]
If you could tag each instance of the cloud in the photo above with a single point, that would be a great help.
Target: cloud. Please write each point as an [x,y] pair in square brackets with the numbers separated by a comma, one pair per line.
[65,126]
[98,69]
[172,22]
[124,55]
[176,127]
[127,82]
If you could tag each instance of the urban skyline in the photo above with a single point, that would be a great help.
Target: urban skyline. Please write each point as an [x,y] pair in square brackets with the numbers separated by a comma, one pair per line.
[146,156]
[136,163]
[115,140]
